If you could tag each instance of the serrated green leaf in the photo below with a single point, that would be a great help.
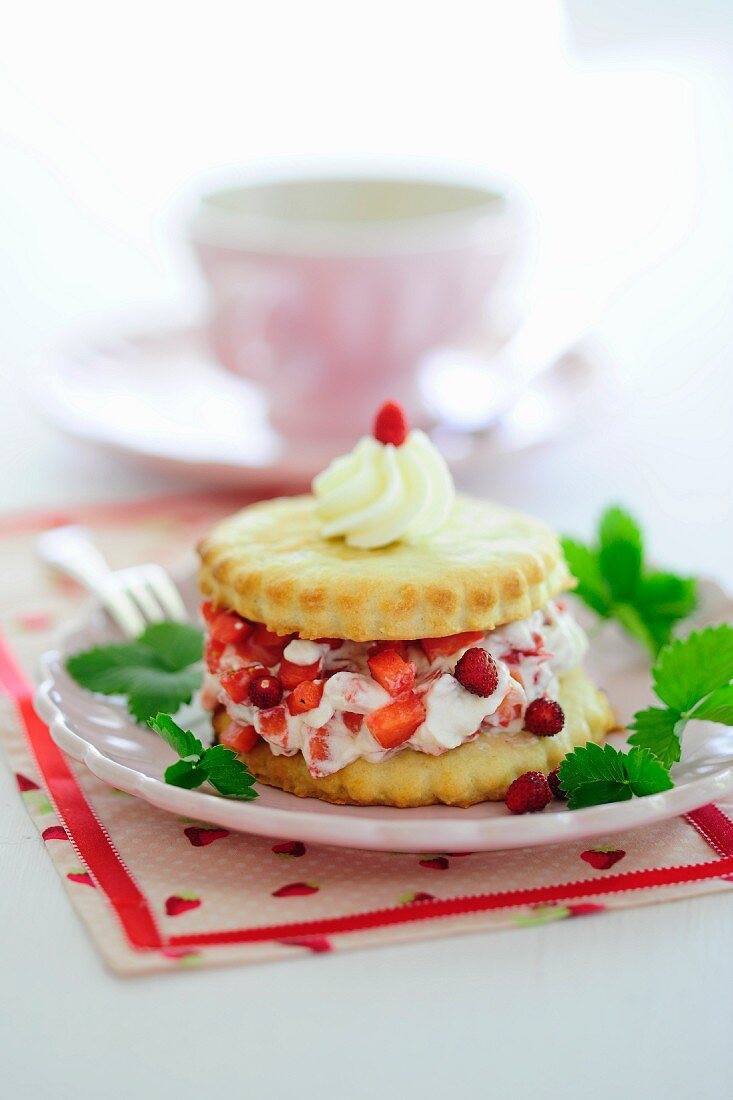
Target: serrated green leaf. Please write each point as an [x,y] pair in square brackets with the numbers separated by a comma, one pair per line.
[591,763]
[659,630]
[646,774]
[620,564]
[633,623]
[106,669]
[229,775]
[598,791]
[592,775]
[657,730]
[178,645]
[184,773]
[615,584]
[156,672]
[665,595]
[616,525]
[583,564]
[181,741]
[693,667]
[717,707]
[155,691]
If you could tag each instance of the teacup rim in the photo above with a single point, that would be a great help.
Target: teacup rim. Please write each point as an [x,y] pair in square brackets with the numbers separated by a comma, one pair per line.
[492,221]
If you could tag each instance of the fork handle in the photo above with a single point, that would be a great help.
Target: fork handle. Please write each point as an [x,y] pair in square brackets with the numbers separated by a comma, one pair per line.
[72,550]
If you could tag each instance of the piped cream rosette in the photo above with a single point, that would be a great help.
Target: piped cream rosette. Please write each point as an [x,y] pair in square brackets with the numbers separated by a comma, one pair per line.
[381,493]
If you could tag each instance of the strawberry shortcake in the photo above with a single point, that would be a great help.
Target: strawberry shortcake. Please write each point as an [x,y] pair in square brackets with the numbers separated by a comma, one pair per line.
[384,641]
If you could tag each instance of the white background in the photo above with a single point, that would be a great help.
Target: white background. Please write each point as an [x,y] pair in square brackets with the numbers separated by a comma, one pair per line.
[616,121]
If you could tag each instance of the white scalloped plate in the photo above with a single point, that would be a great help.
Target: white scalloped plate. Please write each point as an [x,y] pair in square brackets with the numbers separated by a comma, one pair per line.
[98,731]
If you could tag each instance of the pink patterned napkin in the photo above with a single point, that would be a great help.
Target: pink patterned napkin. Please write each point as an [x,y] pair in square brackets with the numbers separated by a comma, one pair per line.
[160,892]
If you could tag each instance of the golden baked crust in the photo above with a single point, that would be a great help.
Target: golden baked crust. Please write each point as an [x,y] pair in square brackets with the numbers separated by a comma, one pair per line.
[487,566]
[478,771]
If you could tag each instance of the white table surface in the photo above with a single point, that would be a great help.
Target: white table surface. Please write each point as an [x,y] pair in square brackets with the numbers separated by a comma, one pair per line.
[635,1003]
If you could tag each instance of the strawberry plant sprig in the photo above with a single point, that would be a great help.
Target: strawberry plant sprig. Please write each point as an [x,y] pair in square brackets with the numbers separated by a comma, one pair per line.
[693,677]
[616,583]
[218,765]
[159,671]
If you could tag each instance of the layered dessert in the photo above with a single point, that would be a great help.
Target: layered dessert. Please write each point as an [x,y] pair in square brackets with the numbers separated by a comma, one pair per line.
[383,641]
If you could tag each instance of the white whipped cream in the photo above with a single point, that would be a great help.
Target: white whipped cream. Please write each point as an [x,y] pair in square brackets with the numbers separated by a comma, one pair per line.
[380,493]
[301,652]
[454,715]
[530,655]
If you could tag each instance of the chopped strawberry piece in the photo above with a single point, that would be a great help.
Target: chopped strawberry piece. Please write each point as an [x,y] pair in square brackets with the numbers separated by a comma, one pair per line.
[397,647]
[208,611]
[273,722]
[443,647]
[393,673]
[229,628]
[515,656]
[236,684]
[292,675]
[268,638]
[267,656]
[390,425]
[353,721]
[318,745]
[213,651]
[305,697]
[239,738]
[332,643]
[394,724]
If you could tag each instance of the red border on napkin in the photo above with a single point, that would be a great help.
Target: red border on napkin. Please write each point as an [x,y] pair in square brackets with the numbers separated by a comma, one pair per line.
[96,850]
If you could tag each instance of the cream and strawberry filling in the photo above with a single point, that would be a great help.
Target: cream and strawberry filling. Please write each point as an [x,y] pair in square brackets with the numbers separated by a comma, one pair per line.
[339,701]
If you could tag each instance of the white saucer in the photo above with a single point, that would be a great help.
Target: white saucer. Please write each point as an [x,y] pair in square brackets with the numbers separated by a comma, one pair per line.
[161,397]
[99,732]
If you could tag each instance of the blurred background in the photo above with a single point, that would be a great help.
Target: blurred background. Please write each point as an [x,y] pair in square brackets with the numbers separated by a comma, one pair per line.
[612,121]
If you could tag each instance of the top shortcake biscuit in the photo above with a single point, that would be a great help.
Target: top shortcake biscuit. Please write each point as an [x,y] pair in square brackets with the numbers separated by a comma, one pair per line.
[485,566]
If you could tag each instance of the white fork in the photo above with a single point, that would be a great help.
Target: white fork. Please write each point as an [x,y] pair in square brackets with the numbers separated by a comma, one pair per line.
[133,597]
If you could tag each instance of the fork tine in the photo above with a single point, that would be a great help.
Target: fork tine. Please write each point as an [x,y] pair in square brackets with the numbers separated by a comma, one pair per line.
[167,594]
[142,593]
[122,609]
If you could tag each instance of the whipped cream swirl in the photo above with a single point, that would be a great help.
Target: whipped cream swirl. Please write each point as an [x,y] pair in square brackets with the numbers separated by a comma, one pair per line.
[380,493]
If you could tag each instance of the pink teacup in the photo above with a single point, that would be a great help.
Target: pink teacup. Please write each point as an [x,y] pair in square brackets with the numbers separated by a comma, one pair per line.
[329,291]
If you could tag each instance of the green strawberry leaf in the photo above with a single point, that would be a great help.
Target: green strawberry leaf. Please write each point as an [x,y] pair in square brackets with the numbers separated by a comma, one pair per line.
[181,741]
[621,552]
[222,767]
[716,707]
[583,564]
[158,672]
[657,730]
[185,773]
[665,595]
[614,581]
[646,774]
[592,776]
[229,775]
[693,667]
[178,645]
